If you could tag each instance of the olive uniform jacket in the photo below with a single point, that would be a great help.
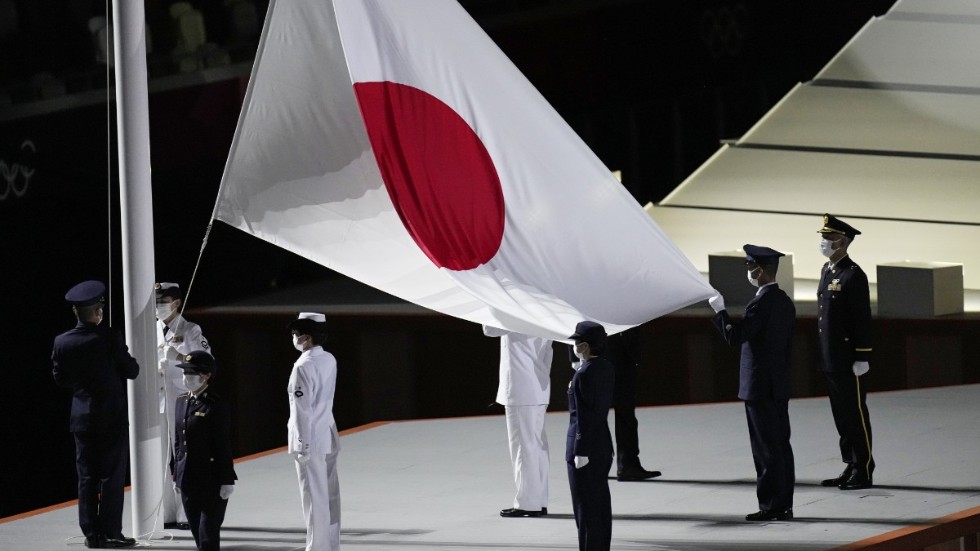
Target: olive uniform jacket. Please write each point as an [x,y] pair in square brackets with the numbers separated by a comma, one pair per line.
[843,316]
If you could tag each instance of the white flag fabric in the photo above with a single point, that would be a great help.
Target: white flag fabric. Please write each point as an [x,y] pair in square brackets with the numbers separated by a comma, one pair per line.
[393,142]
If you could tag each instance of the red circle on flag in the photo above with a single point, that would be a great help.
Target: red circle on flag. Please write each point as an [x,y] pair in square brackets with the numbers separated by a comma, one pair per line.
[438,174]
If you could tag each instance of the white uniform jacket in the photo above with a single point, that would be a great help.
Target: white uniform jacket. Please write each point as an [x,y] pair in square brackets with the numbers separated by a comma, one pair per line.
[311,390]
[525,368]
[183,338]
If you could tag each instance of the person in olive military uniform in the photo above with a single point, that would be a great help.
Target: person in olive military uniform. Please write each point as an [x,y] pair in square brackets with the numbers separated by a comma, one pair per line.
[203,470]
[844,325]
[94,362]
[765,335]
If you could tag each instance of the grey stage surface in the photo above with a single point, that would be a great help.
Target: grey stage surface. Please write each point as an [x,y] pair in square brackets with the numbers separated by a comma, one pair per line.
[439,484]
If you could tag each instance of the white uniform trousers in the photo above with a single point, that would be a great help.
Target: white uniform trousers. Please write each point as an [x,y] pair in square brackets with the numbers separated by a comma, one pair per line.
[172,507]
[529,454]
[319,490]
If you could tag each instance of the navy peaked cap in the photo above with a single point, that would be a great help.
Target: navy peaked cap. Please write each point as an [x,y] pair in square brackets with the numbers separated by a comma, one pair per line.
[86,293]
[761,255]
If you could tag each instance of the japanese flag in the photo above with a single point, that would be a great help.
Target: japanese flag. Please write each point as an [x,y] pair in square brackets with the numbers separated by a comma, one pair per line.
[393,142]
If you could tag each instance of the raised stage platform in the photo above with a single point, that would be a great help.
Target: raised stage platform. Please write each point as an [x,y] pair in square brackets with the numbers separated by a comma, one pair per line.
[438,484]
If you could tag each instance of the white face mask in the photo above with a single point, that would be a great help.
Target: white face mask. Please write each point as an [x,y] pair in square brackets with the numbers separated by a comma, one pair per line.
[296,344]
[193,382]
[827,247]
[579,354]
[164,309]
[752,281]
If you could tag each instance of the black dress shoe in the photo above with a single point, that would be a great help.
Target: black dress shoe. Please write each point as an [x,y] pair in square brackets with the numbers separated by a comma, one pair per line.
[856,481]
[176,526]
[831,482]
[120,542]
[785,514]
[518,513]
[94,542]
[632,474]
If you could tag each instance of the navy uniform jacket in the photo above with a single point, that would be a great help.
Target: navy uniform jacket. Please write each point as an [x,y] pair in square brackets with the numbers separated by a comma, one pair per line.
[590,395]
[844,316]
[766,336]
[202,443]
[95,362]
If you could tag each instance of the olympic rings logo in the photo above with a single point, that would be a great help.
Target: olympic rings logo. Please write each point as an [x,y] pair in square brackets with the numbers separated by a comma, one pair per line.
[16,177]
[722,30]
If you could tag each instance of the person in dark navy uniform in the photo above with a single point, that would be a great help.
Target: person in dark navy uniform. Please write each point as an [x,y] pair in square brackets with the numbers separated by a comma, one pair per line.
[203,470]
[94,362]
[844,326]
[623,351]
[766,337]
[588,445]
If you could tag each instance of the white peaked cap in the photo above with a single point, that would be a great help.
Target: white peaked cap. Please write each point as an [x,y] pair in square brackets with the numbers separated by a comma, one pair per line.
[312,316]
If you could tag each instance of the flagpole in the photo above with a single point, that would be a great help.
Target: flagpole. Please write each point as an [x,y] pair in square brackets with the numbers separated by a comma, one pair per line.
[136,206]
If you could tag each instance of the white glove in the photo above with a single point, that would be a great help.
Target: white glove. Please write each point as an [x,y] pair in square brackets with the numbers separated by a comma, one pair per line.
[176,488]
[226,490]
[860,368]
[717,303]
[581,461]
[302,457]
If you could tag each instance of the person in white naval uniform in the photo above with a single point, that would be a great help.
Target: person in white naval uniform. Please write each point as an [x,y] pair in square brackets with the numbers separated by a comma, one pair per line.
[313,438]
[176,337]
[525,391]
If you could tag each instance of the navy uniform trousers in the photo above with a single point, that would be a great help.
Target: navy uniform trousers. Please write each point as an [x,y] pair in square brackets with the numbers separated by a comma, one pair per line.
[205,514]
[623,350]
[775,470]
[101,459]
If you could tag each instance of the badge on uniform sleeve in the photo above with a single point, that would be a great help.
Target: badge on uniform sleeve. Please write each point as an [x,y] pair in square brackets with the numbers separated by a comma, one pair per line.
[834,285]
[199,414]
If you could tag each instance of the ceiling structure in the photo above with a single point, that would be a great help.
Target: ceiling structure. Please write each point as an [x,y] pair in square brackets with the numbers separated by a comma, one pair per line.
[886,136]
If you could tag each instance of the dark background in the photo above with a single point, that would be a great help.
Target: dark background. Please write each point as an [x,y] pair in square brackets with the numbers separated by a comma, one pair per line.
[650,85]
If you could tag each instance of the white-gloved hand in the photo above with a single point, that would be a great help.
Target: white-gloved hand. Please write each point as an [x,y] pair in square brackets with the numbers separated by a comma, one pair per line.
[581,461]
[176,488]
[860,368]
[302,457]
[226,490]
[717,303]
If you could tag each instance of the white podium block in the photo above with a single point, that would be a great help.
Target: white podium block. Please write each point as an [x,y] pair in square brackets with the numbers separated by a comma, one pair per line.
[920,288]
[727,274]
